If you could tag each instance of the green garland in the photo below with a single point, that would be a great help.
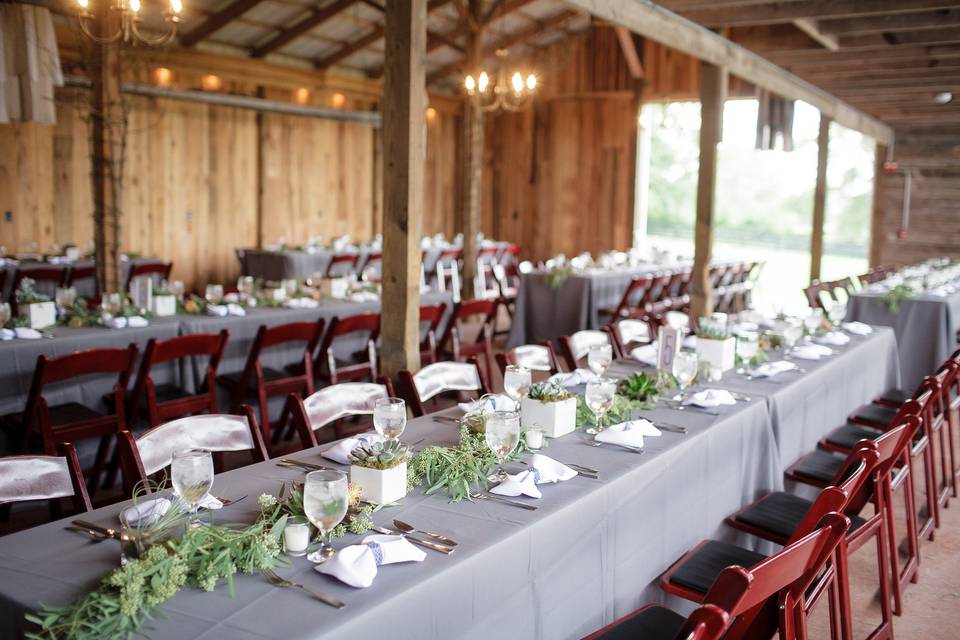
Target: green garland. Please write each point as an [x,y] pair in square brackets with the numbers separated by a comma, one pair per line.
[620,411]
[895,297]
[558,275]
[454,469]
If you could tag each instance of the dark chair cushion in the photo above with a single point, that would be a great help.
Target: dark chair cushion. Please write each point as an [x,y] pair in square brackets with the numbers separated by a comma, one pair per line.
[819,465]
[850,434]
[651,623]
[875,414]
[895,396]
[701,568]
[230,380]
[781,513]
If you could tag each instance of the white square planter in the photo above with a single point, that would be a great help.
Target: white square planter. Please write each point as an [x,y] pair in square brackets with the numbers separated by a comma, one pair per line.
[381,487]
[719,353]
[555,419]
[39,315]
[335,287]
[164,306]
[72,253]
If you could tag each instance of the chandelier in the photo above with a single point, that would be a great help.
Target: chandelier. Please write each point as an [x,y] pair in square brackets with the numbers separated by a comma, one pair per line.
[127,28]
[509,92]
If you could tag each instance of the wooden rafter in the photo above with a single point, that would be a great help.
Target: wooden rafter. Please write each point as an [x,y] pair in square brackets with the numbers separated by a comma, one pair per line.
[315,19]
[754,13]
[892,22]
[812,29]
[629,49]
[217,21]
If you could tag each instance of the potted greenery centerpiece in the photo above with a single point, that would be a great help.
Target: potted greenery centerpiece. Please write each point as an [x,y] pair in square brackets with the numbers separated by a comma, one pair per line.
[38,310]
[550,408]
[380,470]
[164,303]
[715,344]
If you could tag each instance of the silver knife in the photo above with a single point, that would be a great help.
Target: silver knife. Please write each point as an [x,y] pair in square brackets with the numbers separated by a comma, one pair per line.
[514,503]
[289,462]
[442,548]
[110,533]
[672,428]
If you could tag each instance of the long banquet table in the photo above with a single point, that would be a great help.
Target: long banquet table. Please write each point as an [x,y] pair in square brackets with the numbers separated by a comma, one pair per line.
[926,328]
[590,553]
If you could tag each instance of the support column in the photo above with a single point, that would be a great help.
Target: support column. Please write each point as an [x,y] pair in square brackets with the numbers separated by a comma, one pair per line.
[404,143]
[820,199]
[876,217]
[713,93]
[469,201]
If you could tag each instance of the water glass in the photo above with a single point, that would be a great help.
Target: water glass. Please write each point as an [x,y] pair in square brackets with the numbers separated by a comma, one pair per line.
[390,417]
[813,321]
[502,434]
[65,297]
[111,303]
[599,397]
[290,286]
[599,358]
[191,473]
[325,502]
[516,381]
[177,289]
[685,367]
[748,344]
[5,313]
[245,286]
[214,293]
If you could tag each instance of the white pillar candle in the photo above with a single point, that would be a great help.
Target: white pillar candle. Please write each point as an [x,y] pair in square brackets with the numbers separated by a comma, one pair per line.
[534,438]
[296,536]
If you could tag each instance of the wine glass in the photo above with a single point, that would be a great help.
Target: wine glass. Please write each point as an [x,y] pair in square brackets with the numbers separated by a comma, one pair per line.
[748,344]
[516,381]
[191,472]
[685,367]
[177,289]
[599,396]
[599,358]
[213,293]
[111,304]
[290,286]
[325,501]
[5,313]
[245,286]
[836,312]
[65,297]
[390,417]
[812,322]
[502,434]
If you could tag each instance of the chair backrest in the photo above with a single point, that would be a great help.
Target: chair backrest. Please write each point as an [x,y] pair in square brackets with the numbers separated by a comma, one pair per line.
[431,316]
[26,478]
[342,264]
[536,357]
[464,310]
[629,331]
[577,345]
[373,261]
[341,400]
[440,377]
[636,297]
[159,269]
[363,322]
[307,332]
[88,272]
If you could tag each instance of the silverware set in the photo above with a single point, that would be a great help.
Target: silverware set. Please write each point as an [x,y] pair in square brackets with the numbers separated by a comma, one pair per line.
[409,528]
[442,548]
[278,581]
[593,442]
[302,464]
[483,495]
[586,472]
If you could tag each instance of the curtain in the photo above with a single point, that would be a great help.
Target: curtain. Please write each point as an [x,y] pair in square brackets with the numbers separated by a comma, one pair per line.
[29,64]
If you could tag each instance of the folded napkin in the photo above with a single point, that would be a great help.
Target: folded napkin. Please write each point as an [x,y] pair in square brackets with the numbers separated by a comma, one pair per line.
[489,404]
[363,296]
[357,564]
[546,469]
[833,338]
[857,328]
[20,333]
[121,322]
[340,452]
[574,378]
[147,512]
[628,434]
[231,297]
[710,398]
[523,483]
[301,303]
[647,354]
[811,352]
[771,369]
[223,310]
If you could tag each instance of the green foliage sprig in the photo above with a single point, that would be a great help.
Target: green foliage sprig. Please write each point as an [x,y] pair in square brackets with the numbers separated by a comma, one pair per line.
[558,275]
[193,304]
[895,297]
[79,315]
[26,294]
[620,411]
[548,392]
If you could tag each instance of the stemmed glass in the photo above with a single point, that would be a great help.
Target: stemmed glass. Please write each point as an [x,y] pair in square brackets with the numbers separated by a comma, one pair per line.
[245,286]
[812,322]
[4,313]
[836,312]
[325,501]
[599,396]
[214,293]
[516,381]
[177,289]
[65,297]
[599,358]
[390,417]
[111,304]
[502,434]
[748,344]
[191,472]
[685,367]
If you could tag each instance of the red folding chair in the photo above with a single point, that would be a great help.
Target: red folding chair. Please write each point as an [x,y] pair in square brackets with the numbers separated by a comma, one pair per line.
[655,622]
[50,478]
[431,316]
[439,378]
[166,401]
[635,298]
[372,267]
[363,363]
[326,408]
[576,346]
[454,344]
[536,357]
[343,264]
[628,333]
[51,276]
[77,274]
[158,270]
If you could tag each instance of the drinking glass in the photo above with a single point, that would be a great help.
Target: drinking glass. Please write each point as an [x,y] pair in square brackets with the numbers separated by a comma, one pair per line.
[291,286]
[792,332]
[685,367]
[177,288]
[599,396]
[111,303]
[4,313]
[748,344]
[516,381]
[812,322]
[325,501]
[65,297]
[214,293]
[836,312]
[599,358]
[390,417]
[191,472]
[245,285]
[502,434]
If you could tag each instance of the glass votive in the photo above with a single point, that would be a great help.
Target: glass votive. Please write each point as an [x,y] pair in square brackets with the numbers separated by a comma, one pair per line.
[296,536]
[534,439]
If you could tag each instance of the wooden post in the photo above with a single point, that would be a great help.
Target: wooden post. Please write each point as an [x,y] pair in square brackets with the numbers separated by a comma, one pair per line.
[469,204]
[876,216]
[820,198]
[713,93]
[108,129]
[404,143]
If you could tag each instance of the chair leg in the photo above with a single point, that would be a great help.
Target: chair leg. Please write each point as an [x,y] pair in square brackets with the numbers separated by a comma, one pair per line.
[843,611]
[94,480]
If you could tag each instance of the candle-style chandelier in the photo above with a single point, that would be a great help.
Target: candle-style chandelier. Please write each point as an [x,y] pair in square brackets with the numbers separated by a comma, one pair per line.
[508,92]
[126,27]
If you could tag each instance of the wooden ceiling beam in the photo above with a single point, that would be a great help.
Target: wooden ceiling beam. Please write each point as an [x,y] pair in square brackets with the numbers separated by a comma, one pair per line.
[946,35]
[629,49]
[892,23]
[216,21]
[931,73]
[812,29]
[819,57]
[314,19]
[746,14]
[656,23]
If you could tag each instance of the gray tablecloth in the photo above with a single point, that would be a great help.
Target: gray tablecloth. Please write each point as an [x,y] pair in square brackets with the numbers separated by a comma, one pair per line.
[926,328]
[85,288]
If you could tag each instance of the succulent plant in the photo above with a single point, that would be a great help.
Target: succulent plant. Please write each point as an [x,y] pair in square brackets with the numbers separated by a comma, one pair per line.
[380,455]
[548,392]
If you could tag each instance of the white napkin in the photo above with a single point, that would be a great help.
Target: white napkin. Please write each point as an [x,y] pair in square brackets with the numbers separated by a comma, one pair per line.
[940,292]
[546,469]
[121,322]
[857,328]
[301,303]
[147,512]
[489,404]
[523,483]
[231,297]
[710,398]
[20,333]
[572,379]
[357,564]
[223,310]
[363,296]
[811,352]
[647,354]
[833,338]
[628,434]
[771,369]
[340,452]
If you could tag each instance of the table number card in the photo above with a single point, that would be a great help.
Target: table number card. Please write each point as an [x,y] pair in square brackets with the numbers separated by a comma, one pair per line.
[669,341]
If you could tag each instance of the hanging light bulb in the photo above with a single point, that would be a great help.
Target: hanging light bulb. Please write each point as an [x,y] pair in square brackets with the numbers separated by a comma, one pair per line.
[83,3]
[531,82]
[483,82]
[135,6]
[125,27]
[517,81]
[502,88]
[469,84]
[176,6]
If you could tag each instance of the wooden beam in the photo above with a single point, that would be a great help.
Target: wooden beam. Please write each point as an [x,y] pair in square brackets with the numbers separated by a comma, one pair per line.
[919,37]
[819,199]
[877,226]
[722,14]
[468,210]
[713,94]
[217,21]
[313,20]
[796,58]
[891,23]
[810,28]
[660,25]
[404,141]
[629,49]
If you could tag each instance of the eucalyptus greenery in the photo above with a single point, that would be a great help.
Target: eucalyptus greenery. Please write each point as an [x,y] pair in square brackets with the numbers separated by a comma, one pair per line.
[895,297]
[193,304]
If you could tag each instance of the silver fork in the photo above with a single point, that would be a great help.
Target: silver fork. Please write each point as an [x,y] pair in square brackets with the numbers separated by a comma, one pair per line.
[626,447]
[278,581]
[489,496]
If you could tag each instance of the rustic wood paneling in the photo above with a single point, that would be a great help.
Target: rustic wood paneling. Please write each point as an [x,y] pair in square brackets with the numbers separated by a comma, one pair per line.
[441,175]
[26,186]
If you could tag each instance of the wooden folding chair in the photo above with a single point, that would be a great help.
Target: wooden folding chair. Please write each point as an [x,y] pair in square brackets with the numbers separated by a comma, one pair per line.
[576,346]
[325,408]
[363,363]
[50,478]
[439,378]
